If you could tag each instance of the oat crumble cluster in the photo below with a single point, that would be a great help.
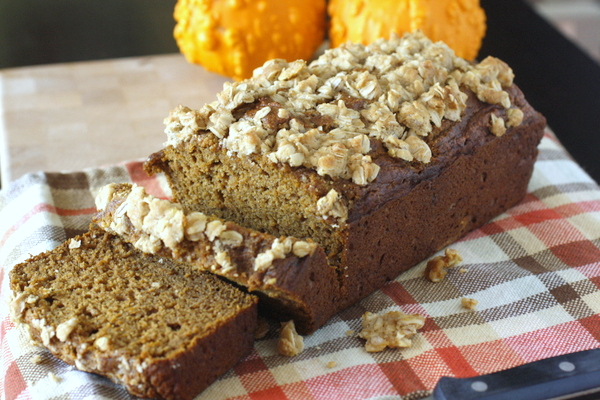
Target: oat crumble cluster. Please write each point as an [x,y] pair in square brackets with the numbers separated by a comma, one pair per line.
[18,304]
[290,343]
[394,91]
[468,303]
[331,205]
[393,329]
[160,222]
[437,266]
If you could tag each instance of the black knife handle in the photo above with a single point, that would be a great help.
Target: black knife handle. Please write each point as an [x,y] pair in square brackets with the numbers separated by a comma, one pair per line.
[546,379]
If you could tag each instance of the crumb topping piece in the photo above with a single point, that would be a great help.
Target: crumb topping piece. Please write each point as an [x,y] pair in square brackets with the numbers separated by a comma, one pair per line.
[104,195]
[290,343]
[515,117]
[64,329]
[323,115]
[18,303]
[393,329]
[437,266]
[55,378]
[332,205]
[497,125]
[36,359]
[102,343]
[280,249]
[47,331]
[470,304]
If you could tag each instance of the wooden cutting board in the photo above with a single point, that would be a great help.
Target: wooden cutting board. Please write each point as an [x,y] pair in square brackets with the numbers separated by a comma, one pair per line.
[66,117]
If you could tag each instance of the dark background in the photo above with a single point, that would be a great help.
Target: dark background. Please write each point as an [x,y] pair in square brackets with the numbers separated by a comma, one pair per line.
[50,31]
[558,78]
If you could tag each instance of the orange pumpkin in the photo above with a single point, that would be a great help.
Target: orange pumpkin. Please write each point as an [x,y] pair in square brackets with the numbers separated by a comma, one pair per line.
[233,37]
[458,23]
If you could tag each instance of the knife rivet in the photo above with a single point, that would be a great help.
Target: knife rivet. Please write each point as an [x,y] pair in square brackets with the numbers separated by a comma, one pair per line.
[566,366]
[479,386]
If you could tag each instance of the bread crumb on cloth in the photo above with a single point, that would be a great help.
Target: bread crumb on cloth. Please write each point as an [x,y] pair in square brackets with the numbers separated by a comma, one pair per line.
[437,266]
[290,343]
[54,377]
[470,304]
[36,359]
[393,329]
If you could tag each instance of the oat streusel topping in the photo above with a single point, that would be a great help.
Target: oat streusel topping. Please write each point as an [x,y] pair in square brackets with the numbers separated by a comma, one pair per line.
[281,248]
[331,205]
[394,91]
[163,223]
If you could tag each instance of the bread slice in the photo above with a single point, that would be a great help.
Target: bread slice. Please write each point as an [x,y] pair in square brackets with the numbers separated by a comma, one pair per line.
[291,276]
[152,324]
[381,154]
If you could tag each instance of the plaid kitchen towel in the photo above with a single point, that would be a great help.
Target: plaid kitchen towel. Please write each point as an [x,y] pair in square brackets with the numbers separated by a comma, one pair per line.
[535,271]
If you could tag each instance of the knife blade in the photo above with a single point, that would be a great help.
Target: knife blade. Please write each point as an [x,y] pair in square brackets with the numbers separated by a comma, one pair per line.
[568,376]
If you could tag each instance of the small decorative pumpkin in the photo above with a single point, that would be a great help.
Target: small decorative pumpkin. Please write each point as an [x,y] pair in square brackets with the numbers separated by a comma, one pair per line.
[458,23]
[233,37]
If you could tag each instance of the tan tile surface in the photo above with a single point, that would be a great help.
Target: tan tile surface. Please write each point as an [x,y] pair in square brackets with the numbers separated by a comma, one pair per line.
[80,115]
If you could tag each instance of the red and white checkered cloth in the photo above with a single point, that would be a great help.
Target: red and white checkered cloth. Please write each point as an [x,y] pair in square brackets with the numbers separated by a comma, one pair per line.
[535,271]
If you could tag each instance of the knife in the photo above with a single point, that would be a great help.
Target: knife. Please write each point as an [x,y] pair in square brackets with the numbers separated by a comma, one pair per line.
[568,376]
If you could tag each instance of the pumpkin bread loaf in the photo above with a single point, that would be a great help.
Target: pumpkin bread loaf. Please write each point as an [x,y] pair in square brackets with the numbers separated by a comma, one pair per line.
[154,325]
[381,154]
[291,276]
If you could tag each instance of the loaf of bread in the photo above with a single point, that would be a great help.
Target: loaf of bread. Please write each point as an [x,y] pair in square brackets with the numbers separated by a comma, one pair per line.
[381,154]
[154,325]
[291,277]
